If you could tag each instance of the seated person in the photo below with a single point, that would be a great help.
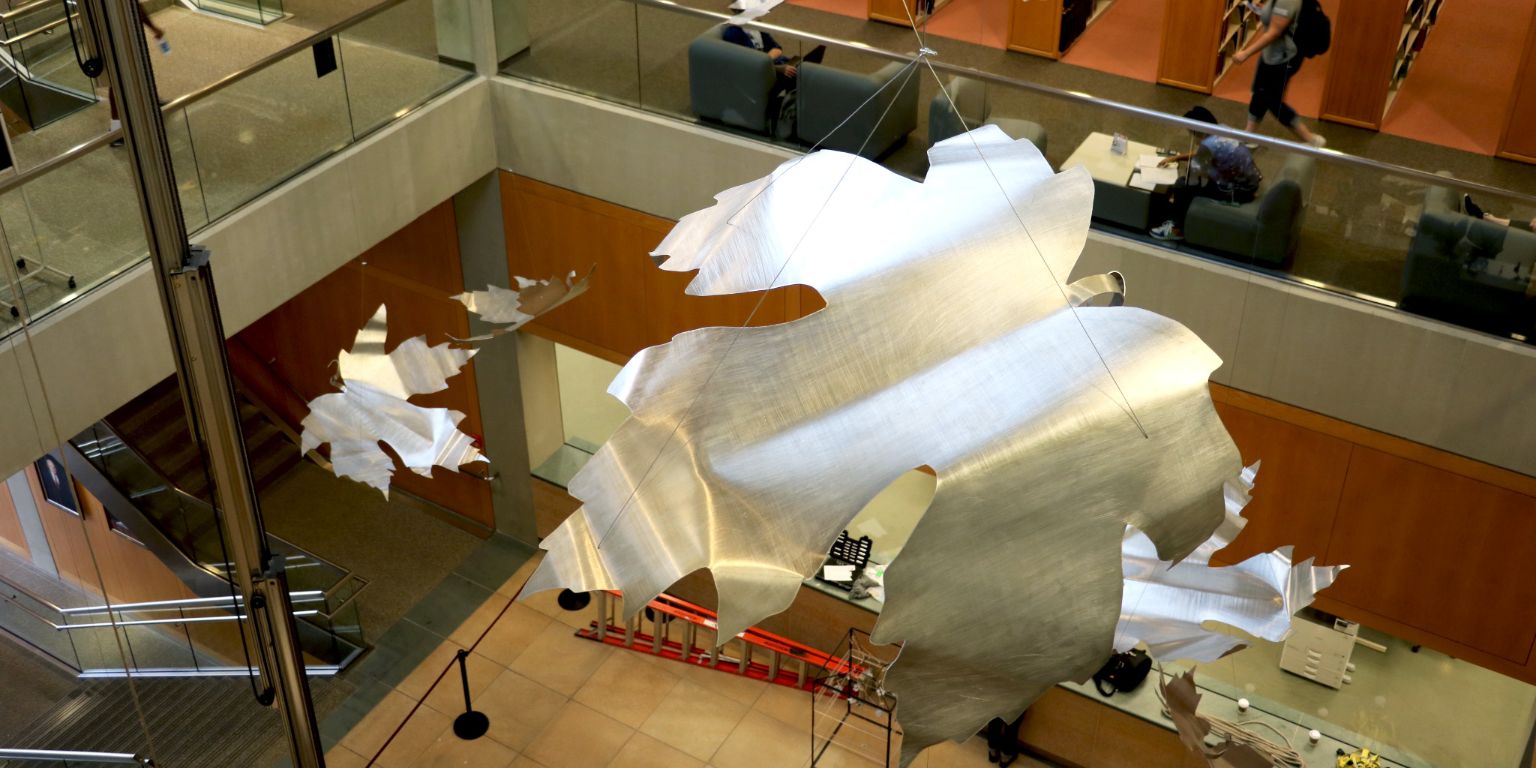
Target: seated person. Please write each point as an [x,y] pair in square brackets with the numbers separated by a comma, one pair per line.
[762,41]
[1220,168]
[1477,212]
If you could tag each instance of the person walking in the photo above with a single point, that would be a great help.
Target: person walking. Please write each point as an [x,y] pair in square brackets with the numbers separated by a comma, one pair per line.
[160,42]
[1279,61]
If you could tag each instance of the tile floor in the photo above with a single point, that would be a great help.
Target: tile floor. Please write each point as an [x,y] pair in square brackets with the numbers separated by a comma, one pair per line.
[558,701]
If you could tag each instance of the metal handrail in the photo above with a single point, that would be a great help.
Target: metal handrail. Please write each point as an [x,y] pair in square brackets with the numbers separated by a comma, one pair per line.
[59,755]
[46,28]
[26,10]
[79,150]
[1077,97]
[191,602]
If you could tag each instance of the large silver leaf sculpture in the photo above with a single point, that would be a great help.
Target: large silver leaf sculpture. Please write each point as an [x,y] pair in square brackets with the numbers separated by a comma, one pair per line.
[1165,606]
[373,407]
[947,341]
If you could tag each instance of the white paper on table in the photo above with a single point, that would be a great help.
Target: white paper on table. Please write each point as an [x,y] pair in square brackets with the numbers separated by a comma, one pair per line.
[1139,181]
[1148,161]
[877,593]
[1156,176]
[837,573]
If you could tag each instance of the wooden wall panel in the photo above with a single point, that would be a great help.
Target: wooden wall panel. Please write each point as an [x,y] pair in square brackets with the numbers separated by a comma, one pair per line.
[1191,35]
[1296,492]
[1519,139]
[11,535]
[1364,45]
[631,304]
[414,273]
[1034,26]
[1444,553]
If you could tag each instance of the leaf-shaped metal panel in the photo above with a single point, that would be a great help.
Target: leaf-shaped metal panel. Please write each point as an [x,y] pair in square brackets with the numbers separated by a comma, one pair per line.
[372,407]
[948,340]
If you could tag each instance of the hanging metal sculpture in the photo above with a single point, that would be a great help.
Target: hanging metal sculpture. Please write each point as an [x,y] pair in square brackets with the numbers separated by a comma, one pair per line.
[514,309]
[950,339]
[373,407]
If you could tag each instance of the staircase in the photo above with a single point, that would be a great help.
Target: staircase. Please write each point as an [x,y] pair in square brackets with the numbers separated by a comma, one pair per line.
[40,81]
[154,425]
[193,722]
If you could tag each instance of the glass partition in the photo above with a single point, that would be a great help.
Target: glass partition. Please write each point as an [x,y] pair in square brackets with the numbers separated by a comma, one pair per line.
[72,227]
[1365,229]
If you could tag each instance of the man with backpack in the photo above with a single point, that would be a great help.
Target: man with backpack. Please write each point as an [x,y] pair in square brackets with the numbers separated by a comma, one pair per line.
[1294,30]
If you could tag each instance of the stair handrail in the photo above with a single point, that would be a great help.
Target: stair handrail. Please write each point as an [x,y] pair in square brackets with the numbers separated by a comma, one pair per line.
[64,756]
[305,596]
[10,41]
[189,498]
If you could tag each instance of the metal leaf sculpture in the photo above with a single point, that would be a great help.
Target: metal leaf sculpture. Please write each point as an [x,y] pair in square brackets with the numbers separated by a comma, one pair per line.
[948,340]
[1164,605]
[514,309]
[373,407]
[748,10]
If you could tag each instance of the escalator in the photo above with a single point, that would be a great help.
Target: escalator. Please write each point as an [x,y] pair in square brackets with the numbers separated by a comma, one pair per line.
[135,480]
[40,80]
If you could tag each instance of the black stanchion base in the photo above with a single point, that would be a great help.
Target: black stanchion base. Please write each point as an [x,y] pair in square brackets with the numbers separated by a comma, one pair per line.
[471,725]
[573,601]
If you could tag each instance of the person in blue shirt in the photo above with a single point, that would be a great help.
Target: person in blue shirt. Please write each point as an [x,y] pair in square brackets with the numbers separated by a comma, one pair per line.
[1219,168]
[786,66]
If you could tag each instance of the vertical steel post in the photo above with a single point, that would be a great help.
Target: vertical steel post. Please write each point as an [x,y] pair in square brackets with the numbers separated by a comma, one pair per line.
[197,339]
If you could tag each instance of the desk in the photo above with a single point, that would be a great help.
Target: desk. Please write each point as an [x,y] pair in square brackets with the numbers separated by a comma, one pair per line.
[1113,200]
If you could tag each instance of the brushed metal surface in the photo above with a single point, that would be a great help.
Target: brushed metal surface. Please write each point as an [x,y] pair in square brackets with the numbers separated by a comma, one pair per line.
[948,340]
[1164,605]
[372,407]
[514,309]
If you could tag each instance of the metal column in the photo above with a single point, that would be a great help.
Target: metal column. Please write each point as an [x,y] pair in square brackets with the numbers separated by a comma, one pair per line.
[197,340]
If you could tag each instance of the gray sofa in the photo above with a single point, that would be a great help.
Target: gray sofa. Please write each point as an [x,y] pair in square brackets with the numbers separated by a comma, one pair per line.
[973,108]
[730,83]
[1264,232]
[827,95]
[1470,272]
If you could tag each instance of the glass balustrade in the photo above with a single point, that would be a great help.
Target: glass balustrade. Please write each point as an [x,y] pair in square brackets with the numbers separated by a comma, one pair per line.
[76,225]
[1397,237]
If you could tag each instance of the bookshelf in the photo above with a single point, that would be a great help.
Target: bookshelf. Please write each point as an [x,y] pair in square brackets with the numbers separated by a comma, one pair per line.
[1049,27]
[1373,56]
[1199,38]
[892,12]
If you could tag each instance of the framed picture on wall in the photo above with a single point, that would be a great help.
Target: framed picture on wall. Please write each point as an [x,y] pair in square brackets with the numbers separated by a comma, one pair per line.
[57,487]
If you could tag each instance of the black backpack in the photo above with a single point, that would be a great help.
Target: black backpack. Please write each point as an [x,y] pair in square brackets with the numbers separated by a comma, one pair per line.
[1123,672]
[1313,32]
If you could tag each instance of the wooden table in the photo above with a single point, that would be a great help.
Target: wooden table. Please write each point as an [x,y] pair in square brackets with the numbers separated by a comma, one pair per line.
[1114,200]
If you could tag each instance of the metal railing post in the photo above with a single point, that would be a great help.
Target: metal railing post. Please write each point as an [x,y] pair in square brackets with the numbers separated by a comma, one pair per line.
[197,339]
[600,600]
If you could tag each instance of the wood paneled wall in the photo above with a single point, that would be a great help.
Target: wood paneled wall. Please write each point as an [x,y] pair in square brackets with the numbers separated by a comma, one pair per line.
[1034,26]
[414,273]
[1365,35]
[1442,549]
[11,535]
[631,304]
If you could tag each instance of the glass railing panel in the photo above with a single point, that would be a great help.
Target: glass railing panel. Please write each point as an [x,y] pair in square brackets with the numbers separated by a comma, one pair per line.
[1349,226]
[391,64]
[45,50]
[189,184]
[33,622]
[84,220]
[584,45]
[155,646]
[216,643]
[260,131]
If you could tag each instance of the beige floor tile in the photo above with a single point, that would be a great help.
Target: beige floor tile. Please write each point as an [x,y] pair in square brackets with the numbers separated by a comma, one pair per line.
[369,735]
[642,751]
[787,705]
[970,754]
[579,737]
[512,634]
[760,741]
[544,602]
[510,587]
[450,751]
[743,690]
[448,696]
[627,688]
[693,719]
[854,734]
[523,761]
[480,620]
[837,757]
[416,684]
[518,708]
[341,757]
[419,733]
[561,661]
